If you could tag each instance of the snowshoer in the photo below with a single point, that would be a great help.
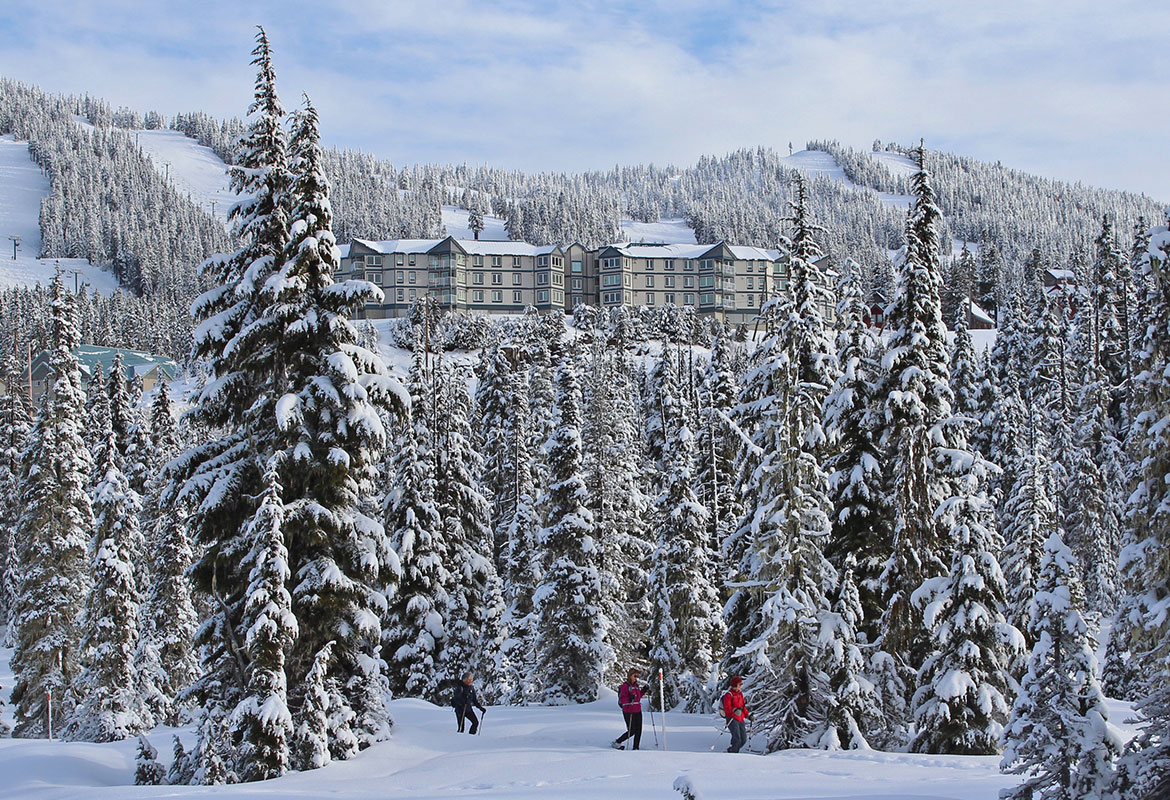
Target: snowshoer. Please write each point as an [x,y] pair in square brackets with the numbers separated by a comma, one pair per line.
[736,712]
[464,700]
[630,700]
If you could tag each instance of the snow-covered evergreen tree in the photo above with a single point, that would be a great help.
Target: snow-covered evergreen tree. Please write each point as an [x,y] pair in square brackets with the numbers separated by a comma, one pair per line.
[855,463]
[965,685]
[415,626]
[915,390]
[1059,735]
[109,708]
[571,649]
[15,424]
[55,524]
[262,727]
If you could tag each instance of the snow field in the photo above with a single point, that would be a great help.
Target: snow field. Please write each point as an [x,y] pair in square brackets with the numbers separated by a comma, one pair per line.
[22,187]
[194,170]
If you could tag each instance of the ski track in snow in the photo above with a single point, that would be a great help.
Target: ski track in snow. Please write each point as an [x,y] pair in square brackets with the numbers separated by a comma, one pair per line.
[22,187]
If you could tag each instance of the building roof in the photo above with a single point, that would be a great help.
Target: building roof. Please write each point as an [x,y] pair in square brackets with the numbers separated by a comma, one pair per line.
[470,246]
[135,362]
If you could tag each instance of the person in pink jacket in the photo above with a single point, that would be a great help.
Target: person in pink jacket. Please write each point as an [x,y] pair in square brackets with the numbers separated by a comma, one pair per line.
[630,700]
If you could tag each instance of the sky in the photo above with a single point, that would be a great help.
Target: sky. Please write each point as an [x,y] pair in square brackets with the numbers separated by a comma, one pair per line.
[1064,88]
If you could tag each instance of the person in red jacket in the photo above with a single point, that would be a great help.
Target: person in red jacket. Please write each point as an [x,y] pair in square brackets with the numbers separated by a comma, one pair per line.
[735,709]
[630,700]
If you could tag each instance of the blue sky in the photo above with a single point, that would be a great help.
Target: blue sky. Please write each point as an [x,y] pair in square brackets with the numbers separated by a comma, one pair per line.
[1074,90]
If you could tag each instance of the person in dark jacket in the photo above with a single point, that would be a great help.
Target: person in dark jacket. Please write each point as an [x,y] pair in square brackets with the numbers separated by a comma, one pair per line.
[465,699]
[736,711]
[630,701]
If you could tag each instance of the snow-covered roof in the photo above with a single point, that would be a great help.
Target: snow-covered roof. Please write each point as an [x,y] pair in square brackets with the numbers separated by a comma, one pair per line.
[981,315]
[1062,274]
[754,253]
[472,246]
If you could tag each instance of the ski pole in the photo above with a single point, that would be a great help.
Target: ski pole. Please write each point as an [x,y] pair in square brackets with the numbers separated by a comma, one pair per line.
[653,727]
[482,717]
[662,705]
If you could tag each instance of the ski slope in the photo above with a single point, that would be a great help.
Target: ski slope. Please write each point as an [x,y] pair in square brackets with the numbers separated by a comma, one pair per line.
[817,163]
[193,169]
[22,187]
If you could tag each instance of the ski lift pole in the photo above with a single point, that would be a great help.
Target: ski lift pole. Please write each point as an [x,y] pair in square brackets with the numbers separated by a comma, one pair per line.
[49,694]
[662,705]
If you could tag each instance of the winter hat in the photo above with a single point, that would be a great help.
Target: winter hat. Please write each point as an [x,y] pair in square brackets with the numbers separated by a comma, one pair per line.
[736,681]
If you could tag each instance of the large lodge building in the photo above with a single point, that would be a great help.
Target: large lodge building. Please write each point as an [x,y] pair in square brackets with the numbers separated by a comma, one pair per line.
[490,277]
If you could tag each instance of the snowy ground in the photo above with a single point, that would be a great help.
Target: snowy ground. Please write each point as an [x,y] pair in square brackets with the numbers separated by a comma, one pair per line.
[194,169]
[671,231]
[22,187]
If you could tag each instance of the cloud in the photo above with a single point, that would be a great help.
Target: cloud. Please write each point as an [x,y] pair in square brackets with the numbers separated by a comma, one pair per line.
[1073,90]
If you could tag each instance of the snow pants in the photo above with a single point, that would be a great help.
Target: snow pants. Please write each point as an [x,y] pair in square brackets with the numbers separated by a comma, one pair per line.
[633,727]
[738,735]
[467,713]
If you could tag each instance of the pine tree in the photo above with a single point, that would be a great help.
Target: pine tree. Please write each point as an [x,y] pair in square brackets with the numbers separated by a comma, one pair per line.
[681,587]
[262,727]
[785,559]
[1059,736]
[914,387]
[965,684]
[14,431]
[330,435]
[415,626]
[1141,628]
[571,649]
[166,661]
[55,524]
[855,480]
[854,704]
[109,708]
[312,734]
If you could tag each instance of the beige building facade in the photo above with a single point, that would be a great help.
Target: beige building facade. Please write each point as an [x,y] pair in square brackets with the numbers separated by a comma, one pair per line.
[493,277]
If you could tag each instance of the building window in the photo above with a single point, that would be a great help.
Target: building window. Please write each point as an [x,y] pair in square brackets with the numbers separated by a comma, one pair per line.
[542,296]
[542,279]
[517,279]
[751,266]
[707,264]
[668,264]
[542,261]
[410,277]
[516,262]
[400,277]
[558,279]
[374,278]
[668,298]
[649,265]
[477,296]
[689,265]
[577,267]
[578,300]
[434,262]
[688,281]
[497,296]
[462,295]
[477,261]
[399,259]
[497,261]
[706,281]
[628,298]
[706,299]
[497,279]
[649,298]
[611,263]
[477,278]
[751,301]
[751,283]
[577,283]
[558,297]
[688,299]
[413,295]
[373,261]
[401,295]
[611,280]
[668,281]
[517,296]
[357,261]
[612,297]
[557,261]
[649,281]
